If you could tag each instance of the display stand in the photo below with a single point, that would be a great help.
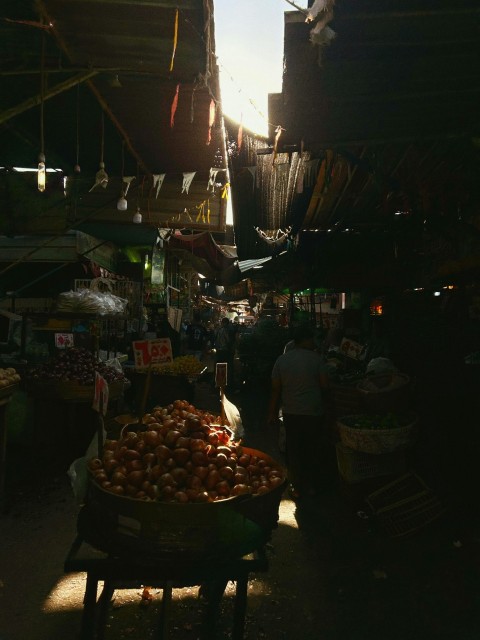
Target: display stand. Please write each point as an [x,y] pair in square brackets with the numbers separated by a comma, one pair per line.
[163,573]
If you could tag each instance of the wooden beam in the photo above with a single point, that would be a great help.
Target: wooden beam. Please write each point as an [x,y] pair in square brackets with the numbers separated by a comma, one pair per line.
[184,5]
[49,93]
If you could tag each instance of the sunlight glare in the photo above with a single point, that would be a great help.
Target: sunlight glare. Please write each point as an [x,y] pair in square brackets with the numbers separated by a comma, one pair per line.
[249,48]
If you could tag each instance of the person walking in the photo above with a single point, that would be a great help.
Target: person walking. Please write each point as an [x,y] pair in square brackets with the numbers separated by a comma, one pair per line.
[298,385]
[224,349]
[197,337]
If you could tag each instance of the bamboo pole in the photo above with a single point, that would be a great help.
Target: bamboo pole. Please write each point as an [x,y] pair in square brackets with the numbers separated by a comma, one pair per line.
[49,93]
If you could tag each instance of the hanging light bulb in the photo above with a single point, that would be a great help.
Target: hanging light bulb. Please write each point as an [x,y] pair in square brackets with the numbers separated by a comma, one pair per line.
[122,204]
[42,173]
[137,216]
[101,177]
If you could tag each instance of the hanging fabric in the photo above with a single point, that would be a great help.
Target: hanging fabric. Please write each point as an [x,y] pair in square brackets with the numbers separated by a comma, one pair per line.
[174,106]
[225,190]
[253,172]
[310,173]
[157,182]
[278,133]
[211,119]
[240,133]
[187,181]
[175,40]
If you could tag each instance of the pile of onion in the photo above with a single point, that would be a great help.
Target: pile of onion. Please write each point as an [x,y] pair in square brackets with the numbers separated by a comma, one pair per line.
[184,455]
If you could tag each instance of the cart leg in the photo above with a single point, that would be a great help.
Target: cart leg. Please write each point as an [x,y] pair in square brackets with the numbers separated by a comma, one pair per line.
[213,591]
[165,611]
[104,604]
[240,607]
[89,604]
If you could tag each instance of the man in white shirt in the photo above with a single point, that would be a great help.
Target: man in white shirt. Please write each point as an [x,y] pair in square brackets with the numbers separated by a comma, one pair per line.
[298,383]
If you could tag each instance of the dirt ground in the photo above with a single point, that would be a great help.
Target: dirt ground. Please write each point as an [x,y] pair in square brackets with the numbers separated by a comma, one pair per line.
[333,573]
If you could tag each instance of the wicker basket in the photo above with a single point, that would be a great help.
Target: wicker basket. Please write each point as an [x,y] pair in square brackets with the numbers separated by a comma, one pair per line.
[405,506]
[385,392]
[346,400]
[378,441]
[236,525]
[354,466]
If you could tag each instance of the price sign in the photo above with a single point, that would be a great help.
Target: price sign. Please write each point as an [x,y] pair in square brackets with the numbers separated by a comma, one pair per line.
[221,374]
[147,352]
[352,349]
[100,398]
[63,340]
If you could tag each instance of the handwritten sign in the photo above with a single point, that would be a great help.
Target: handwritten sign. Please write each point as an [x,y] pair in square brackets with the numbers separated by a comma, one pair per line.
[352,349]
[63,340]
[149,352]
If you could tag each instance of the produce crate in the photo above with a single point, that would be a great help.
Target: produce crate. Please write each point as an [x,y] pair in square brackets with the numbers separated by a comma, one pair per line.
[233,526]
[379,440]
[354,466]
[385,392]
[405,505]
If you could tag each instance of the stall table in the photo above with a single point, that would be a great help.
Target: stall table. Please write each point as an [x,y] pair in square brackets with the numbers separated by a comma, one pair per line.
[166,573]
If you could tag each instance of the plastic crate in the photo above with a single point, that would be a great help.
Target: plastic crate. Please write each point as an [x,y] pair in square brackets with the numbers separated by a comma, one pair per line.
[405,506]
[354,466]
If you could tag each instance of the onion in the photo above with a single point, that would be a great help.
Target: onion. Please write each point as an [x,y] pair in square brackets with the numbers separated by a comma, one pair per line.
[166,480]
[163,452]
[202,496]
[180,475]
[241,489]
[119,478]
[199,458]
[118,489]
[201,472]
[227,473]
[212,479]
[151,438]
[196,444]
[181,496]
[131,454]
[135,478]
[183,443]
[95,463]
[181,456]
[171,437]
[223,488]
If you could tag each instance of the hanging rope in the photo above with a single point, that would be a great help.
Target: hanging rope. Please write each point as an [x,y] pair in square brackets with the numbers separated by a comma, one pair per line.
[42,95]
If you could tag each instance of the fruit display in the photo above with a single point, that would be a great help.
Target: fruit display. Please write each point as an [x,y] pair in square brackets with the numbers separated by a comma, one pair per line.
[8,377]
[183,455]
[180,366]
[74,365]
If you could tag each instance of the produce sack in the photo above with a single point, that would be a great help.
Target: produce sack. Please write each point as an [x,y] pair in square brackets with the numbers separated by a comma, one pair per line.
[77,472]
[234,419]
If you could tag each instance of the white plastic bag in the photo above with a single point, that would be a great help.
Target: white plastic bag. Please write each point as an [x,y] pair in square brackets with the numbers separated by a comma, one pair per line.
[77,472]
[234,419]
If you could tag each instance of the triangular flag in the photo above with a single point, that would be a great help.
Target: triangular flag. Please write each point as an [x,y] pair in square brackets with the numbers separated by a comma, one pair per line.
[157,182]
[212,179]
[187,181]
[174,106]
[127,180]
